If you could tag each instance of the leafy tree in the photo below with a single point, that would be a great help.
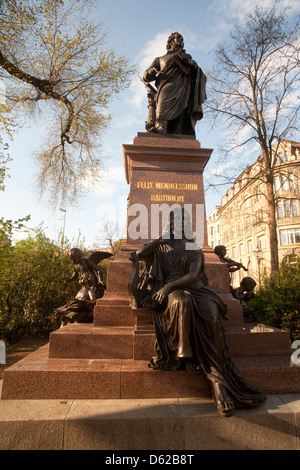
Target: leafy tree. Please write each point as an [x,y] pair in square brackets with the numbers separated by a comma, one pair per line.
[53,58]
[254,91]
[32,286]
[278,304]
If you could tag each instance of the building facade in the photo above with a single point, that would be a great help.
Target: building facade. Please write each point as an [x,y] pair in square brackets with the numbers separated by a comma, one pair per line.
[241,221]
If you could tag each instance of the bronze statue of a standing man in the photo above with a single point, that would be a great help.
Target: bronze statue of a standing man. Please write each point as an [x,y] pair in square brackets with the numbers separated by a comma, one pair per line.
[180,87]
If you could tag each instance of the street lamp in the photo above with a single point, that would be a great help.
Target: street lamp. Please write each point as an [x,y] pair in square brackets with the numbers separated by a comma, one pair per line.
[64,226]
[258,256]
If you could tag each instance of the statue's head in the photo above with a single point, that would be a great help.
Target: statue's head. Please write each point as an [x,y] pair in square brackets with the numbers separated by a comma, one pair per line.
[175,42]
[180,224]
[248,283]
[220,250]
[75,254]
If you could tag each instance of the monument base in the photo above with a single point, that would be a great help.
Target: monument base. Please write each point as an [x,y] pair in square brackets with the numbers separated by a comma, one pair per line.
[109,361]
[109,358]
[176,425]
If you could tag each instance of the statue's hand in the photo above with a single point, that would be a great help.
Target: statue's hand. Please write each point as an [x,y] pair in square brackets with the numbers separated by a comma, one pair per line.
[152,71]
[150,74]
[161,295]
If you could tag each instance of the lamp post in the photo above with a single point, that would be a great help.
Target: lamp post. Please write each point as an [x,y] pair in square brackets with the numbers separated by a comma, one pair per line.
[64,226]
[258,252]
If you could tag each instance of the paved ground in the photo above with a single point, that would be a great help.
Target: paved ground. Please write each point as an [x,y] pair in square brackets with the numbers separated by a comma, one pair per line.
[16,351]
[183,424]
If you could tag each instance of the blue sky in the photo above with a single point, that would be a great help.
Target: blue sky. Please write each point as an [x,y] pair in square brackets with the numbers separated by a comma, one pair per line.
[139,30]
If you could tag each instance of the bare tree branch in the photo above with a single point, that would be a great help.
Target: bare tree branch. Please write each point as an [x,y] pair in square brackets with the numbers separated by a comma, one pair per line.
[254,91]
[52,59]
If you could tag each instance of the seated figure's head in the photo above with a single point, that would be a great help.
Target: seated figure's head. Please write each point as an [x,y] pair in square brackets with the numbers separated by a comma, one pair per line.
[180,225]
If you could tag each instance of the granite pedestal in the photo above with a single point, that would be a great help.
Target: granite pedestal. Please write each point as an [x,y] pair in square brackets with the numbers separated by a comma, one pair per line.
[108,359]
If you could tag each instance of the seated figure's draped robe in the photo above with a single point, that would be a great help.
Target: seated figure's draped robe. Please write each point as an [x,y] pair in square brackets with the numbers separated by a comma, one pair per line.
[190,325]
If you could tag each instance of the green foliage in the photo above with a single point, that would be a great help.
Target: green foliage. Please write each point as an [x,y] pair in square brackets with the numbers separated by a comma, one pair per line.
[32,280]
[32,285]
[277,303]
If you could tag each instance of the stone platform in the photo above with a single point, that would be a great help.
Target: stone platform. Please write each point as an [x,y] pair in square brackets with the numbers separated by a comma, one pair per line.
[164,424]
[79,366]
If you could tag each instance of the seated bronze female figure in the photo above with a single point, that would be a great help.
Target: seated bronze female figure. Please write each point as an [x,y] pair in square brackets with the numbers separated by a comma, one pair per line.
[188,317]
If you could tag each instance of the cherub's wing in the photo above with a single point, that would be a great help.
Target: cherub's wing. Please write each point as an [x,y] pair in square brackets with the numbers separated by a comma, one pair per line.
[98,256]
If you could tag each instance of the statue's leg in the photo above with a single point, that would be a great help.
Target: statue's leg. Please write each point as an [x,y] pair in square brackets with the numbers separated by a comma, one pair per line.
[160,126]
[222,399]
[180,305]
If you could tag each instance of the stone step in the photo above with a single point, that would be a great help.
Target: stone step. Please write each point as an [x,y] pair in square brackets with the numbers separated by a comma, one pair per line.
[39,377]
[121,299]
[114,309]
[255,339]
[113,315]
[86,341]
[246,340]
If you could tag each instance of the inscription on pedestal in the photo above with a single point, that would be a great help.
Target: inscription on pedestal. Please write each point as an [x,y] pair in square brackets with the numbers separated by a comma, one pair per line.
[151,185]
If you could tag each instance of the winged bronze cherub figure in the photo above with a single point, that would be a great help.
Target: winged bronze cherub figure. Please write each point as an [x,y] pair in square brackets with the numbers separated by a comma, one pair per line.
[90,276]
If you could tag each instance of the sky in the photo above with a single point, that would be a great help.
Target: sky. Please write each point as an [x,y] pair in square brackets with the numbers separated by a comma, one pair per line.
[139,30]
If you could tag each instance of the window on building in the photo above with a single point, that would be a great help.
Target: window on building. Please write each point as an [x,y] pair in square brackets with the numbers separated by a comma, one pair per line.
[211,230]
[290,236]
[241,249]
[248,223]
[280,210]
[291,181]
[249,246]
[233,249]
[250,269]
[287,208]
[294,204]
[284,183]
[277,183]
[240,228]
[261,242]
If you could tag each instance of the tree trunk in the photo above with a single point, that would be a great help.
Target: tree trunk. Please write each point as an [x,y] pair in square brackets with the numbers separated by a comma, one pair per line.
[274,263]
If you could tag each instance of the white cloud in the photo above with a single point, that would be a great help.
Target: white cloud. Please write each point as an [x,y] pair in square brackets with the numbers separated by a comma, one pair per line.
[152,49]
[237,9]
[219,169]
[107,183]
[226,13]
